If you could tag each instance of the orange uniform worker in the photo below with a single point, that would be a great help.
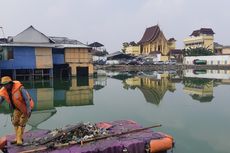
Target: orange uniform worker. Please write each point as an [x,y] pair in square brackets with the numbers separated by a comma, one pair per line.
[20,103]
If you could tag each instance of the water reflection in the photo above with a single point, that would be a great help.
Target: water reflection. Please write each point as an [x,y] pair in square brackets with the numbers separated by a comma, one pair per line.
[199,89]
[135,96]
[198,84]
[51,94]
[207,74]
[100,82]
[152,88]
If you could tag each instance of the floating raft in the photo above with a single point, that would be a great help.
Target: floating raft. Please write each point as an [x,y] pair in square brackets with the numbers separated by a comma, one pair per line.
[137,142]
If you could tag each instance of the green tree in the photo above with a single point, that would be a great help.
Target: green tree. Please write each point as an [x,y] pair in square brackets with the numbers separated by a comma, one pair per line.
[199,51]
[125,45]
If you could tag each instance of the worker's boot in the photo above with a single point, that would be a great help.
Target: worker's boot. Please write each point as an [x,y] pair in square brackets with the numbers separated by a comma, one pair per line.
[20,135]
[16,132]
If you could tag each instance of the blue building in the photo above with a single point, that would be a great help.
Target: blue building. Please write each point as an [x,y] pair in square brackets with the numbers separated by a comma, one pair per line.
[31,54]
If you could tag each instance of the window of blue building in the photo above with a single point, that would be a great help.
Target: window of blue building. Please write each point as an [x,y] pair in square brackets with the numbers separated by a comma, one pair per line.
[6,53]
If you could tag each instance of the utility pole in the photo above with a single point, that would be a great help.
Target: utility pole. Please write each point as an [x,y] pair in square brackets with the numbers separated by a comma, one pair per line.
[3,32]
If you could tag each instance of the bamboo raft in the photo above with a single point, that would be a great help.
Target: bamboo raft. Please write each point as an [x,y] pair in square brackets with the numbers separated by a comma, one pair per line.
[121,136]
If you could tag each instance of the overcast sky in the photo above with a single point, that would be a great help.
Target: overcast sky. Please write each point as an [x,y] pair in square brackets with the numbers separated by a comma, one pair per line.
[112,22]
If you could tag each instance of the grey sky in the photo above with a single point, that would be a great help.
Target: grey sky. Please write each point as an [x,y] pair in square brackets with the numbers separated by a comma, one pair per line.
[112,22]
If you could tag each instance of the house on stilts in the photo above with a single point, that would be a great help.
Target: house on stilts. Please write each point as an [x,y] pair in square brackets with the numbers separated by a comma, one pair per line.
[33,55]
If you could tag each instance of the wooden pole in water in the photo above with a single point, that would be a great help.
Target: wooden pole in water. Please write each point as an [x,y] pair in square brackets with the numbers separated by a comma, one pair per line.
[43,148]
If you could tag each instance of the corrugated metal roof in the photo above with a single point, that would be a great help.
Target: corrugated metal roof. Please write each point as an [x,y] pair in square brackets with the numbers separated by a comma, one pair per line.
[27,45]
[31,35]
[68,43]
[115,54]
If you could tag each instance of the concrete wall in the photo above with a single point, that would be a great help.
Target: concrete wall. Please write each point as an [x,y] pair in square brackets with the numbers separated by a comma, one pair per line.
[74,66]
[164,58]
[199,41]
[226,50]
[133,50]
[211,60]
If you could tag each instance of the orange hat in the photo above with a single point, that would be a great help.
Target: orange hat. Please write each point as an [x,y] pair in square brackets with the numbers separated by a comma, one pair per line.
[5,80]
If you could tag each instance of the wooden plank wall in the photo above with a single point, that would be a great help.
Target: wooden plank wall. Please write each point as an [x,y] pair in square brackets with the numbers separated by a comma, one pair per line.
[77,55]
[44,58]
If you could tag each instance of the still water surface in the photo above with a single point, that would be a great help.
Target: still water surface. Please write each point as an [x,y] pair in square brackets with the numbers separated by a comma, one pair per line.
[192,107]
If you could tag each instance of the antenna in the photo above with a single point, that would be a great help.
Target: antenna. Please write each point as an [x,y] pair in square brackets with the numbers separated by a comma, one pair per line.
[158,22]
[3,32]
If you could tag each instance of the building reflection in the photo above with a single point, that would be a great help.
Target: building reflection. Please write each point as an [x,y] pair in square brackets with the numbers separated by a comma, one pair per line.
[207,74]
[80,92]
[50,94]
[44,105]
[199,89]
[200,83]
[152,88]
[100,82]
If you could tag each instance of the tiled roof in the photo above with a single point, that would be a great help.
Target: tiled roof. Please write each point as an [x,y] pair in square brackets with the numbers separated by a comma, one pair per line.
[217,45]
[3,40]
[118,55]
[150,34]
[207,31]
[96,44]
[133,43]
[172,39]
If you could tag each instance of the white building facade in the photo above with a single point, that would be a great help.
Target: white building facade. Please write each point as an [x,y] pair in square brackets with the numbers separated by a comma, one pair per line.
[211,60]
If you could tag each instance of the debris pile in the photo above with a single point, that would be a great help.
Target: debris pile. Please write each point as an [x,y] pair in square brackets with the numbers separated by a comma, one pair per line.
[84,132]
[77,133]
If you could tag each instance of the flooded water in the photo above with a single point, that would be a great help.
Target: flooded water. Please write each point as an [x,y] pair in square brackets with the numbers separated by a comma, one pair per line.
[193,106]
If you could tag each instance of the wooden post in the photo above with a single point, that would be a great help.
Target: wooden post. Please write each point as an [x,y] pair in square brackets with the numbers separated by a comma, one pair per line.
[51,73]
[14,74]
[42,73]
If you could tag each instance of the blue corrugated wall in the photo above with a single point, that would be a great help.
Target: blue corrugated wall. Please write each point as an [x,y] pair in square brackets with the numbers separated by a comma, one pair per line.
[24,58]
[58,56]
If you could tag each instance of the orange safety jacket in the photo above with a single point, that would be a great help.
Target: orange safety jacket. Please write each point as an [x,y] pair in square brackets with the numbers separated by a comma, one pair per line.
[18,100]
